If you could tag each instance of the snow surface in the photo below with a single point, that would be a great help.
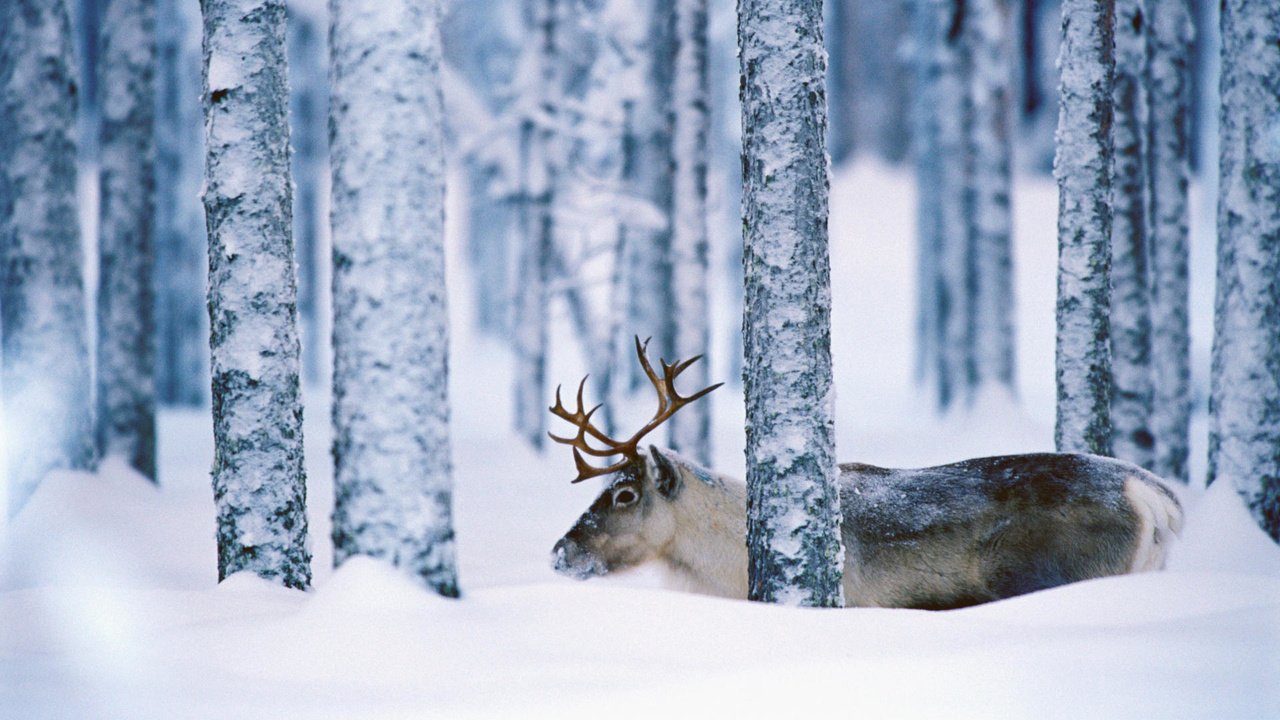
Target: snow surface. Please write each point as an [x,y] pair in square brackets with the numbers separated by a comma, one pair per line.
[109,606]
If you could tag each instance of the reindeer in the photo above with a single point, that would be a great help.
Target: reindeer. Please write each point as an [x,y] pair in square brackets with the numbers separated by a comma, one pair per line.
[934,538]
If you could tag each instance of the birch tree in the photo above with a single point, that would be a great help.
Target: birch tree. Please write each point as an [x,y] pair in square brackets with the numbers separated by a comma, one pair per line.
[392,465]
[126,417]
[988,32]
[927,39]
[1244,406]
[536,182]
[308,101]
[44,370]
[793,508]
[650,250]
[1082,166]
[1131,339]
[954,267]
[1169,84]
[691,433]
[259,485]
[181,248]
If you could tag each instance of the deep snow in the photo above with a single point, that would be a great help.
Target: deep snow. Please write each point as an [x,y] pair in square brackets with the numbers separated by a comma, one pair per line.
[109,606]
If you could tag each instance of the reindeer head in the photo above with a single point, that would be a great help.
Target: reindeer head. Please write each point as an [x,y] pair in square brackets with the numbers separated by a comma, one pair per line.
[631,521]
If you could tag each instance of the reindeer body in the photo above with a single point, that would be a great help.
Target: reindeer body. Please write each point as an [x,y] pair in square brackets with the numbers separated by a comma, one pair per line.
[939,537]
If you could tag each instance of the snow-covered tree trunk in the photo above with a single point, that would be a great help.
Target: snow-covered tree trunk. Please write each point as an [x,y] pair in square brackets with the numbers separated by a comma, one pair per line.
[1244,440]
[955,260]
[691,430]
[308,108]
[44,373]
[1169,85]
[259,485]
[392,466]
[537,197]
[844,71]
[793,508]
[650,250]
[1132,437]
[126,416]
[1082,166]
[926,138]
[181,249]
[989,34]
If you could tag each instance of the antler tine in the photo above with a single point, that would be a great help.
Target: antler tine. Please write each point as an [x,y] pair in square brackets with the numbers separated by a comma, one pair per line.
[669,402]
[582,421]
[586,471]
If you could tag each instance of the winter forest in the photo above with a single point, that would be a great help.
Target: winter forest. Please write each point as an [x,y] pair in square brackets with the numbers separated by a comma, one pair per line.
[639,358]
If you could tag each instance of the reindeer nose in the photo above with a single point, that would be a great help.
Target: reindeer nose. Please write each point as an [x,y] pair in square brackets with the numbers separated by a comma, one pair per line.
[564,555]
[570,558]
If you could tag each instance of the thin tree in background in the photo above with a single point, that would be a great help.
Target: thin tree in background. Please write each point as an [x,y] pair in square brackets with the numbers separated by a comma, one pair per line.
[649,250]
[988,30]
[44,373]
[793,508]
[393,474]
[1244,406]
[1132,437]
[181,247]
[308,108]
[537,180]
[954,270]
[1169,147]
[259,486]
[126,417]
[1082,166]
[927,39]
[691,432]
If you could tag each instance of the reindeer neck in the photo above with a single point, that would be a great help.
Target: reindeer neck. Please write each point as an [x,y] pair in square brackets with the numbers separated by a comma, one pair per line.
[708,553]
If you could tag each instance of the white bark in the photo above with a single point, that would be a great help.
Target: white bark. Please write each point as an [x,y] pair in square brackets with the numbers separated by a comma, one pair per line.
[258,478]
[44,374]
[690,429]
[1169,83]
[1130,316]
[1082,166]
[181,248]
[926,57]
[537,181]
[955,268]
[1244,441]
[126,423]
[793,509]
[392,465]
[989,34]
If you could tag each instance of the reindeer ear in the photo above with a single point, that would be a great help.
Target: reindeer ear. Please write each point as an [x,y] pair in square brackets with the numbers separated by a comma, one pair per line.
[665,473]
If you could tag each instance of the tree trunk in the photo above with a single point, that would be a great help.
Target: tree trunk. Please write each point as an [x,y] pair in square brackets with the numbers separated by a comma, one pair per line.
[1082,166]
[181,248]
[793,508]
[1244,441]
[392,466]
[989,32]
[537,198]
[650,251]
[1169,84]
[258,479]
[44,372]
[308,110]
[691,430]
[1132,437]
[955,260]
[926,136]
[126,417]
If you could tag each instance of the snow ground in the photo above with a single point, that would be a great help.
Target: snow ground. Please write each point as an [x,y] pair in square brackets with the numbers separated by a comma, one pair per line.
[109,606]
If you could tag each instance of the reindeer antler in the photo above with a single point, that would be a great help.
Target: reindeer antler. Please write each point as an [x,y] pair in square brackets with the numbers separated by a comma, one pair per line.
[669,402]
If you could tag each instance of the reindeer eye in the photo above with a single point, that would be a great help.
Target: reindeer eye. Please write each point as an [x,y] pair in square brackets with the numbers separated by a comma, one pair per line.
[625,497]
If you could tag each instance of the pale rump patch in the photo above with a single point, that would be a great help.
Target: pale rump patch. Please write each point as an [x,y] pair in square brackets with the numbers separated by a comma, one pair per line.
[1159,521]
